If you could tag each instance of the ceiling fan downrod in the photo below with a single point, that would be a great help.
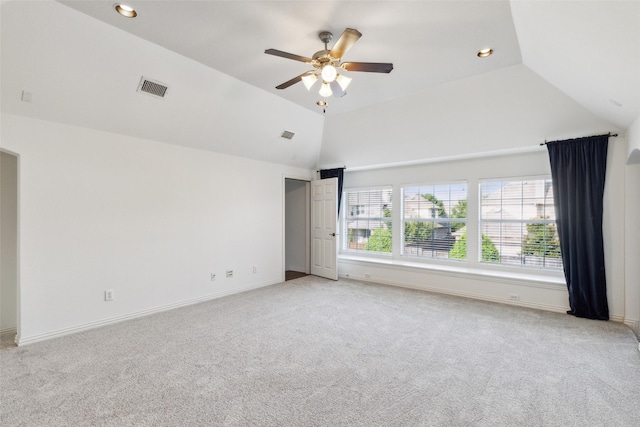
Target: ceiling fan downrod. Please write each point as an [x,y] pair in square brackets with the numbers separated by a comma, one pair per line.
[325,37]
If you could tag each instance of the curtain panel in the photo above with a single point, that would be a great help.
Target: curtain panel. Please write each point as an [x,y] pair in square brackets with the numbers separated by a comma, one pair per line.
[578,168]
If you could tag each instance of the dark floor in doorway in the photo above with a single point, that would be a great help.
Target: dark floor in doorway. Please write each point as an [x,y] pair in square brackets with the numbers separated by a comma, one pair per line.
[8,340]
[290,275]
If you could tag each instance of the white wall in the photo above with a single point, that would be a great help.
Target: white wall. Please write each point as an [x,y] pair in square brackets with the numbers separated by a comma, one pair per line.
[633,135]
[632,228]
[632,247]
[508,110]
[296,214]
[8,242]
[497,286]
[150,220]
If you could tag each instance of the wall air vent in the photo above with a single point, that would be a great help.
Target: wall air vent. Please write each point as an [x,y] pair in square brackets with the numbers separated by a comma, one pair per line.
[287,134]
[152,87]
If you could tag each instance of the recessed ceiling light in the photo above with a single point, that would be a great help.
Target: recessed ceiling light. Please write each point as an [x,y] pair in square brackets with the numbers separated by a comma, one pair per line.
[126,11]
[485,52]
[322,103]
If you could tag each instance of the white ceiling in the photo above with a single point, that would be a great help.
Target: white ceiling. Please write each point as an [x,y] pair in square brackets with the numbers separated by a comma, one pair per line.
[80,60]
[577,46]
[429,42]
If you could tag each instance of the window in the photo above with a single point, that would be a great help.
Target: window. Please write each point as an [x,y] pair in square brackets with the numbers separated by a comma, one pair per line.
[433,221]
[517,223]
[368,220]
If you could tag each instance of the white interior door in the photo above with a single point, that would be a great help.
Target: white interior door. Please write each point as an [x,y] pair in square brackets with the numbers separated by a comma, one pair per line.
[324,224]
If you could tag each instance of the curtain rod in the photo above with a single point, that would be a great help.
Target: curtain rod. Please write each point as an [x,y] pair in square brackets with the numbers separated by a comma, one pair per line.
[344,167]
[611,135]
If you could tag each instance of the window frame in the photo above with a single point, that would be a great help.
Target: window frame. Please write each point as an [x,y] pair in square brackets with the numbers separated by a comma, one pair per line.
[523,222]
[344,241]
[415,257]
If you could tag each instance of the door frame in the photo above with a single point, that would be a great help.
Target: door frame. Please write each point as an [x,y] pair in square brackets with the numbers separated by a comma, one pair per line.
[17,246]
[307,233]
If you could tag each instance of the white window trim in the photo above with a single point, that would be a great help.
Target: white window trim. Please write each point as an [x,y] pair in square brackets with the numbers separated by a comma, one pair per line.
[401,252]
[509,267]
[343,229]
[527,278]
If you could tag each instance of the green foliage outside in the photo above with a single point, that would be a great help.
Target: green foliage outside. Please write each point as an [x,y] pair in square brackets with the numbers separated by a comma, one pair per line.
[458,211]
[386,213]
[420,231]
[489,251]
[415,232]
[459,249]
[379,241]
[433,199]
[542,241]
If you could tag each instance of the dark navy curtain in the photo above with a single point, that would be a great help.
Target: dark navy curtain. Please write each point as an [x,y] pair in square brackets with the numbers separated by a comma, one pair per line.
[578,169]
[334,173]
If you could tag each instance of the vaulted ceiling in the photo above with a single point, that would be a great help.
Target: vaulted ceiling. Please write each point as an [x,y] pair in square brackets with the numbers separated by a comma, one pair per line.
[71,54]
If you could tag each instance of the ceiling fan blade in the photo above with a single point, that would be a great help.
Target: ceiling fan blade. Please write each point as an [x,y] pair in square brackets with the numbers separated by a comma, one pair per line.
[291,82]
[344,43]
[287,55]
[370,67]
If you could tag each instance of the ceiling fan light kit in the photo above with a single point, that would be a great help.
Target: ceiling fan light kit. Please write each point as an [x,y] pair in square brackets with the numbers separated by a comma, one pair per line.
[309,80]
[326,64]
[329,73]
[343,81]
[325,90]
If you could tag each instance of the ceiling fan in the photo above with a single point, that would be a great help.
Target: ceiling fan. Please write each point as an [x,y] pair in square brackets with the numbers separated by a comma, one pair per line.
[326,64]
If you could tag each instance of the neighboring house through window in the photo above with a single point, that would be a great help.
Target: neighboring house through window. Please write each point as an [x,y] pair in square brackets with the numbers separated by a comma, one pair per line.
[433,219]
[367,226]
[517,223]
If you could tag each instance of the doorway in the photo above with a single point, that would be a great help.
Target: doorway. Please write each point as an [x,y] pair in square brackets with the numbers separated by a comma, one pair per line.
[8,249]
[296,244]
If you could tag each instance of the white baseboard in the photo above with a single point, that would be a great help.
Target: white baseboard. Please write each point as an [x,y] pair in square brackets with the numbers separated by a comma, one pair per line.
[547,307]
[633,324]
[112,320]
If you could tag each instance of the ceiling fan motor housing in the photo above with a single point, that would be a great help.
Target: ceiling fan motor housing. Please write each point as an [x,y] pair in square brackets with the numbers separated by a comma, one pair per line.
[321,56]
[326,37]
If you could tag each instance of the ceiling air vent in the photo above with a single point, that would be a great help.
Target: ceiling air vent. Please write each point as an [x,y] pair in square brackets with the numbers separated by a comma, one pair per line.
[152,87]
[287,134]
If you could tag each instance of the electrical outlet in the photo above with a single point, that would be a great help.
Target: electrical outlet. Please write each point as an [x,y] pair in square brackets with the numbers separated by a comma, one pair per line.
[255,269]
[26,96]
[514,297]
[213,276]
[229,273]
[109,295]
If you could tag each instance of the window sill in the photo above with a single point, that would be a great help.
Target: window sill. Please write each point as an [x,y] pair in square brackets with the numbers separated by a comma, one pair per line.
[528,279]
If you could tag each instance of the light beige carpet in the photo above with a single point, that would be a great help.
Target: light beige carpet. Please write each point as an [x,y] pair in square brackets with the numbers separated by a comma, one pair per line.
[312,352]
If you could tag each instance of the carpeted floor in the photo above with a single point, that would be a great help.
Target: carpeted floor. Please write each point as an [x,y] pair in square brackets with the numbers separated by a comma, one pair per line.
[312,352]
